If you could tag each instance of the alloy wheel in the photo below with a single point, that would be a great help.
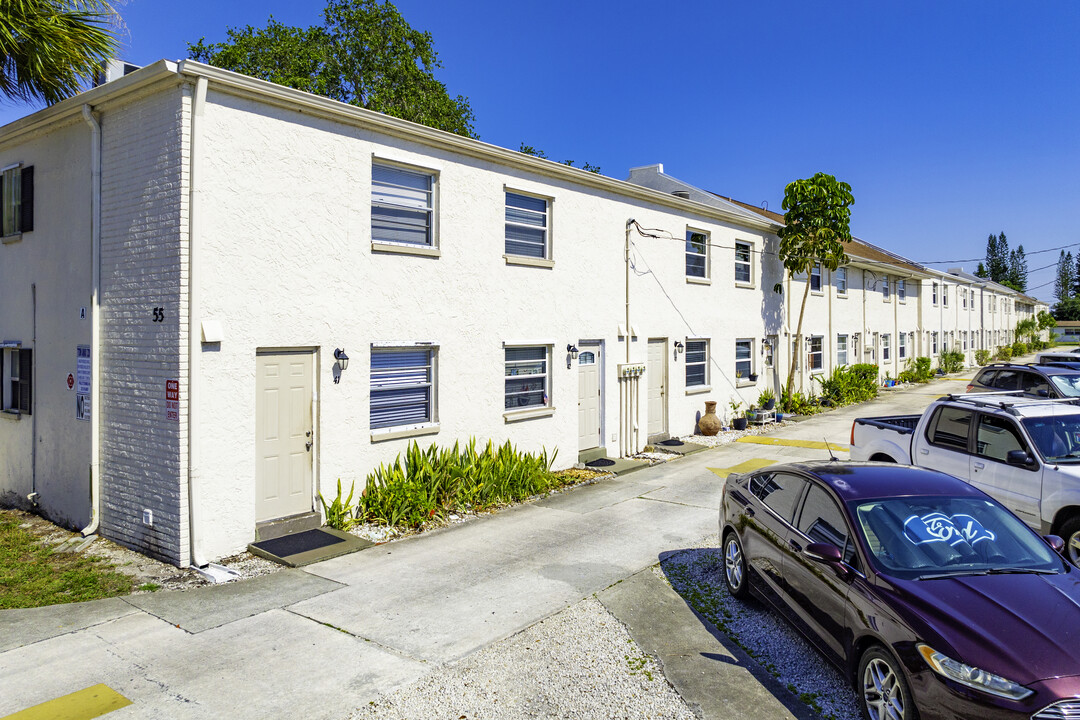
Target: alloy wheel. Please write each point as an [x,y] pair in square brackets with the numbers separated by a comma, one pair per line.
[882,693]
[733,564]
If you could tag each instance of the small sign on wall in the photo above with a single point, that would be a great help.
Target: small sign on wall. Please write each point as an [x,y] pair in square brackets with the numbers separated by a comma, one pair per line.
[172,400]
[83,368]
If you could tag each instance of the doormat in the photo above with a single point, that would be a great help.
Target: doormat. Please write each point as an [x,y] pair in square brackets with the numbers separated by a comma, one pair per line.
[673,442]
[304,548]
[600,462]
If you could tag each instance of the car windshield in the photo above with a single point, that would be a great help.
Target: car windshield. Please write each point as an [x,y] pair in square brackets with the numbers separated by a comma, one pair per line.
[1057,437]
[926,538]
[1067,385]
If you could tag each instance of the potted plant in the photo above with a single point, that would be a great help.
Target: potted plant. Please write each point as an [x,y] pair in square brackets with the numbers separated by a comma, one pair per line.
[753,377]
[767,400]
[751,414]
[737,421]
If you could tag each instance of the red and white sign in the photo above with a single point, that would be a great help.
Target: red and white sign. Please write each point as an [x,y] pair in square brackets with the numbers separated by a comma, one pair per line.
[172,400]
[71,381]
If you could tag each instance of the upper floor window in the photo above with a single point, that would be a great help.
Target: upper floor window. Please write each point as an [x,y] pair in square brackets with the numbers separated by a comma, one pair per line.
[963,297]
[402,206]
[17,200]
[815,278]
[402,386]
[697,363]
[744,353]
[697,254]
[901,290]
[526,226]
[742,262]
[16,369]
[526,372]
[885,288]
[841,281]
[945,295]
[933,294]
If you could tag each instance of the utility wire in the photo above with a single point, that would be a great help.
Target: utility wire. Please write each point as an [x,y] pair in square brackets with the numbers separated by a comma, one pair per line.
[980,259]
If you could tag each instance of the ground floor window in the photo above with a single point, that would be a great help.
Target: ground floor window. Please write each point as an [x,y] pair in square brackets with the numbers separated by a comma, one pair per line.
[841,350]
[526,377]
[814,358]
[902,339]
[402,386]
[933,343]
[16,368]
[697,363]
[886,347]
[744,353]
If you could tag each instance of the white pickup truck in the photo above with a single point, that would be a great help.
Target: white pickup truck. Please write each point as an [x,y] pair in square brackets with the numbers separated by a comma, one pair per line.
[1025,452]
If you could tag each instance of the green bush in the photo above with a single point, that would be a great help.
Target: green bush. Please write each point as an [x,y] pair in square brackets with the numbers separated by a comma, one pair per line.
[917,370]
[427,485]
[849,384]
[951,361]
[982,357]
[1019,348]
[339,514]
[798,404]
[1005,353]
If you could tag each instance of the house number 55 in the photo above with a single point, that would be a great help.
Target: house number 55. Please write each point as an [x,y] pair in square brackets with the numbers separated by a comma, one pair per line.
[159,314]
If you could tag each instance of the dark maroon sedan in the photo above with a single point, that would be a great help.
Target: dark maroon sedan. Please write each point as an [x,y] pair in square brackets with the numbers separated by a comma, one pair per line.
[931,597]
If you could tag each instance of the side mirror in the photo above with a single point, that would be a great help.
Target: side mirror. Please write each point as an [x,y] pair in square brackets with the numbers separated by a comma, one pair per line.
[1055,542]
[824,553]
[1021,458]
[1044,393]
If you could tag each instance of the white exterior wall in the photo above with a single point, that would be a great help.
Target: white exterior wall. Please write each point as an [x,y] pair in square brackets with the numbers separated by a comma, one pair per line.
[53,263]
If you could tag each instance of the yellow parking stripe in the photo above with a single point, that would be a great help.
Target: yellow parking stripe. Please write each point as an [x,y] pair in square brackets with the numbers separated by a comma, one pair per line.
[92,702]
[748,466]
[815,444]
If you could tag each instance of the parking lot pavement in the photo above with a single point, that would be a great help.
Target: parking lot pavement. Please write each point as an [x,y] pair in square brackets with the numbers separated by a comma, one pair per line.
[365,623]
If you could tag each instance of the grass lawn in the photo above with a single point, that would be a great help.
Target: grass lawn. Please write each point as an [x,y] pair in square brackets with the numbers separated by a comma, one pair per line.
[32,575]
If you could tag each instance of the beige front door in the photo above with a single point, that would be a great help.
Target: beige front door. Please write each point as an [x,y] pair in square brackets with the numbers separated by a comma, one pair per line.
[589,397]
[284,432]
[656,369]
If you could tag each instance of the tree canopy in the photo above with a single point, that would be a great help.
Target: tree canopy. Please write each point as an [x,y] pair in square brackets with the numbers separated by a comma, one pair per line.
[364,54]
[817,221]
[1065,278]
[50,48]
[1004,266]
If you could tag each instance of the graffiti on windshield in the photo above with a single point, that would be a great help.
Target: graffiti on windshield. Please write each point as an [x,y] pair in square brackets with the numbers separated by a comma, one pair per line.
[939,527]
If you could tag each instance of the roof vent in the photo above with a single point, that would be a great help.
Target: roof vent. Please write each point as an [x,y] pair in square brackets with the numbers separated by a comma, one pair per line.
[111,70]
[684,194]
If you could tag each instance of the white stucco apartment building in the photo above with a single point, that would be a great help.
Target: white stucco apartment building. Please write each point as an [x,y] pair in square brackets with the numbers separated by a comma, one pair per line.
[218,296]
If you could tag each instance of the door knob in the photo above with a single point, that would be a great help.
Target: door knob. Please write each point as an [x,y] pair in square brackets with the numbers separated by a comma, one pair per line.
[308,444]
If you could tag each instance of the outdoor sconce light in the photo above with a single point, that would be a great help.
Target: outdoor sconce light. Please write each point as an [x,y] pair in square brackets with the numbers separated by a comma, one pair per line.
[343,362]
[573,353]
[679,348]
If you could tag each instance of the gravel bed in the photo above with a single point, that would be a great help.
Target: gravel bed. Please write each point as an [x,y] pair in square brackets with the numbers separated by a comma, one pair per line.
[580,663]
[729,436]
[697,576]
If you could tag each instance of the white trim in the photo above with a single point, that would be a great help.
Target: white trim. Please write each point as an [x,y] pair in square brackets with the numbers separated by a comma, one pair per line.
[404,344]
[383,246]
[526,261]
[528,343]
[10,167]
[379,435]
[518,415]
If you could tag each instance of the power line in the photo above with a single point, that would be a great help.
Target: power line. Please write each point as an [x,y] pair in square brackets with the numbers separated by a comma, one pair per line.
[980,259]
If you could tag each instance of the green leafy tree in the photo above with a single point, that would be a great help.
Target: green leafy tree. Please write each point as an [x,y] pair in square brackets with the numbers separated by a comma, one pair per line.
[1076,277]
[530,150]
[1066,276]
[1018,269]
[1068,309]
[364,54]
[997,257]
[50,48]
[816,227]
[981,271]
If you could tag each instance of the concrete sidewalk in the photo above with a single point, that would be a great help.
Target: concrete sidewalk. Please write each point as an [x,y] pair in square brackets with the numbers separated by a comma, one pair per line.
[320,641]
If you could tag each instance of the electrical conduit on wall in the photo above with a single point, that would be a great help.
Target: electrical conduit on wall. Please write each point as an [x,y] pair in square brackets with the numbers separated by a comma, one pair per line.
[95,320]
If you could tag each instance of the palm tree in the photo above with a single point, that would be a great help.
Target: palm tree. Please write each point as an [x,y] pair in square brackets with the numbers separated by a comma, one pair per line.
[49,47]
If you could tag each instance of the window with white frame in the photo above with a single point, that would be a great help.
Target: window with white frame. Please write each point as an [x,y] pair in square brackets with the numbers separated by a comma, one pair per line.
[697,363]
[527,377]
[402,386]
[742,262]
[885,288]
[815,356]
[841,349]
[964,340]
[901,289]
[767,351]
[815,278]
[402,206]
[841,281]
[933,294]
[527,226]
[16,390]
[901,341]
[697,254]
[744,358]
[963,298]
[17,200]
[933,343]
[886,347]
[945,296]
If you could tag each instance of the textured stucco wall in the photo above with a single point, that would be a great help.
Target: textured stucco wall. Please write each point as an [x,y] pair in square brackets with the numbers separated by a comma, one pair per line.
[55,259]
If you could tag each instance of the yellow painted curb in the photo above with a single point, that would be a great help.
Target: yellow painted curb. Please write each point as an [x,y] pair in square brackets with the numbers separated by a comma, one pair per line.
[748,466]
[92,702]
[815,444]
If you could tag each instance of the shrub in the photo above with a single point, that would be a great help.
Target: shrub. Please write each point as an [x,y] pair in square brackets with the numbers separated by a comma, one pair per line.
[798,404]
[339,514]
[849,384]
[1019,348]
[426,485]
[916,370]
[951,361]
[1005,353]
[982,357]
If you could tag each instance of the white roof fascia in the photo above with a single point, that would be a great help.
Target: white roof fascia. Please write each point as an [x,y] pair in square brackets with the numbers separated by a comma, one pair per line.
[333,109]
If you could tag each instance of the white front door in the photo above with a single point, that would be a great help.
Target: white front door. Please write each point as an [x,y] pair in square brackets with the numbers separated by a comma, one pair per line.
[656,369]
[284,429]
[589,397]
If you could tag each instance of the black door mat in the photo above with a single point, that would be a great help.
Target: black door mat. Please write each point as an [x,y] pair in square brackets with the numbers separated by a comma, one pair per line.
[600,462]
[310,546]
[673,442]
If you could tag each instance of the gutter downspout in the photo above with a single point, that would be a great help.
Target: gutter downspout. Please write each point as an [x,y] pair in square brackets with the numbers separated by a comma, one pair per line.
[95,321]
[626,257]
[198,101]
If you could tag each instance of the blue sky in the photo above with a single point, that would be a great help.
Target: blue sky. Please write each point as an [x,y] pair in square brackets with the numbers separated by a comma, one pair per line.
[950,119]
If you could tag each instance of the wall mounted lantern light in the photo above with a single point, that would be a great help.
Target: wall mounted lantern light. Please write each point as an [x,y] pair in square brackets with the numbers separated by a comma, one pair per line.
[343,362]
[679,348]
[572,352]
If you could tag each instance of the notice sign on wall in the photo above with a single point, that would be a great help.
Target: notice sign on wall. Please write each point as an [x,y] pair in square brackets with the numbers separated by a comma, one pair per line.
[172,400]
[83,368]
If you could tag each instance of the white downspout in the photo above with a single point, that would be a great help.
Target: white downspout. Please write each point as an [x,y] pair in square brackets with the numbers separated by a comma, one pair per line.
[95,320]
[198,101]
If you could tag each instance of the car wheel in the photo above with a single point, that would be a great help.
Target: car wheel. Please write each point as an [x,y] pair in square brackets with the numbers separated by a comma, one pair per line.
[734,566]
[1070,533]
[884,693]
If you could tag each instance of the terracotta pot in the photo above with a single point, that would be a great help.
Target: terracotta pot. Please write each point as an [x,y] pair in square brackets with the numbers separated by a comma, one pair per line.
[709,424]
